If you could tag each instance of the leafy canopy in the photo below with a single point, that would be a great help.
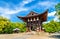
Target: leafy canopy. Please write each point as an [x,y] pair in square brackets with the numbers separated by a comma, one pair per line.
[6,26]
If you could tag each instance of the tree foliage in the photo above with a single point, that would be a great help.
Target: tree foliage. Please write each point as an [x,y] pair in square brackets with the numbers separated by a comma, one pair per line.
[6,26]
[58,11]
[52,26]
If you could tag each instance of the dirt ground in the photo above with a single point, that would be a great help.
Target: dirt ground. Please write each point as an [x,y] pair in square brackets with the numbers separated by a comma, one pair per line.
[29,35]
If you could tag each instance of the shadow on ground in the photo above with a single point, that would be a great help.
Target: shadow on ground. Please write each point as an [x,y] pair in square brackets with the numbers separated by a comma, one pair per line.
[55,36]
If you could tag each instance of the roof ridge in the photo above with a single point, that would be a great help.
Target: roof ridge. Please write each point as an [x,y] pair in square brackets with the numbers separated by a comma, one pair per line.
[32,13]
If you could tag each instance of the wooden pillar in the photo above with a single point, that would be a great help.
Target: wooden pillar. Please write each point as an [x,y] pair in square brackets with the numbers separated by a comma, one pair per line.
[39,25]
[27,27]
[30,28]
[40,28]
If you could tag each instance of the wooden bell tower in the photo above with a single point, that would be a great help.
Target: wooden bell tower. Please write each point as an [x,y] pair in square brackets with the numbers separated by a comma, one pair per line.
[34,20]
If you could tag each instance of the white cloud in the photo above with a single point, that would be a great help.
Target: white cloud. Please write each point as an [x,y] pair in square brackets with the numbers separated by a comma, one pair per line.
[47,3]
[7,12]
[24,2]
[6,16]
[56,19]
[44,3]
[27,1]
[51,14]
[46,22]
[16,9]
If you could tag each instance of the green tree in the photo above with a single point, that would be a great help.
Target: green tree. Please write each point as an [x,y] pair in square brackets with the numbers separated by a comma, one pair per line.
[52,26]
[3,23]
[6,26]
[21,26]
[58,11]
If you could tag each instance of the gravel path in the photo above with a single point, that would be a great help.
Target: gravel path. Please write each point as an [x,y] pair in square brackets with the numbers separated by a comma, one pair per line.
[30,36]
[23,37]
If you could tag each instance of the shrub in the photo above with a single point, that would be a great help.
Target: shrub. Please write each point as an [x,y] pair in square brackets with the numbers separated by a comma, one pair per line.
[6,26]
[52,27]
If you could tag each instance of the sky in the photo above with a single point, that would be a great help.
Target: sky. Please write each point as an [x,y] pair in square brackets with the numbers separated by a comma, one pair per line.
[12,8]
